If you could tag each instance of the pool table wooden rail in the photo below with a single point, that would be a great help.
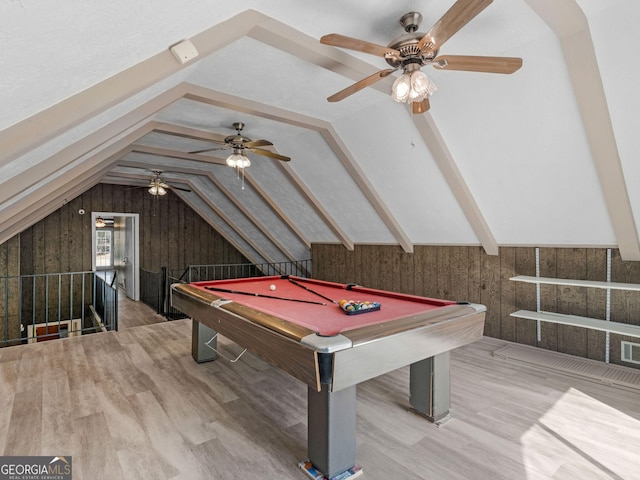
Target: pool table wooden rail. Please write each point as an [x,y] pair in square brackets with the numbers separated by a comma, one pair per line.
[252,330]
[378,350]
[411,322]
[289,329]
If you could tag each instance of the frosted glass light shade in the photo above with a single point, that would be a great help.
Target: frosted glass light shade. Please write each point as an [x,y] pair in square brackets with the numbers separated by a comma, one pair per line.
[421,86]
[401,87]
[412,87]
[237,160]
[157,190]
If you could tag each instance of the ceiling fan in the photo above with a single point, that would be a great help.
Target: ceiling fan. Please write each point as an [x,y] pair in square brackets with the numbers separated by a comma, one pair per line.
[159,187]
[414,50]
[239,144]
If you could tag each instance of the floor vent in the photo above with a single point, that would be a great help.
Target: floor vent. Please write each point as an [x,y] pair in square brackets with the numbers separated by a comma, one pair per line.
[572,365]
[630,352]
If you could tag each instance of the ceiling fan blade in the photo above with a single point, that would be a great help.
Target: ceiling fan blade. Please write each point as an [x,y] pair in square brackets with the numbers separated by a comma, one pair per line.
[177,188]
[356,87]
[420,107]
[207,150]
[268,153]
[460,13]
[203,151]
[257,143]
[477,63]
[342,41]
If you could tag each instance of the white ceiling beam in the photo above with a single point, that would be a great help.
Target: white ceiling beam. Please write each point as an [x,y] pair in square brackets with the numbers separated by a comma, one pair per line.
[568,21]
[101,138]
[219,99]
[360,177]
[36,130]
[190,133]
[203,196]
[275,208]
[40,193]
[256,222]
[93,142]
[253,244]
[62,160]
[71,112]
[447,165]
[167,176]
[316,205]
[166,152]
[187,132]
[245,249]
[55,199]
[211,97]
[285,38]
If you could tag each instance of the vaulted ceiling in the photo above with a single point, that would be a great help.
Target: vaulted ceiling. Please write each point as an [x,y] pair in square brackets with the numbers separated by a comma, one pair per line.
[546,156]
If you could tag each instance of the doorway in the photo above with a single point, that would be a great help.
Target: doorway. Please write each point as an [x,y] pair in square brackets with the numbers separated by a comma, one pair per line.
[115,246]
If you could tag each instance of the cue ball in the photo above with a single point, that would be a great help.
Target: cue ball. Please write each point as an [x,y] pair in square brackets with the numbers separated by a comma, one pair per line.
[272,287]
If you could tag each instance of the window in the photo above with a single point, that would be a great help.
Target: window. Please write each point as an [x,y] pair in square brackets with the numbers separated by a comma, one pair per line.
[104,248]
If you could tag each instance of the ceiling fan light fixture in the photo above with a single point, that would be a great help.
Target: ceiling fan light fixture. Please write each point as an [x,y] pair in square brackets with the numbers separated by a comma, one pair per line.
[157,190]
[238,160]
[412,86]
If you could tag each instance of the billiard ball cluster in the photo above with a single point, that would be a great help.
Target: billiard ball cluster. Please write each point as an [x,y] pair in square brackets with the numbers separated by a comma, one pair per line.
[351,306]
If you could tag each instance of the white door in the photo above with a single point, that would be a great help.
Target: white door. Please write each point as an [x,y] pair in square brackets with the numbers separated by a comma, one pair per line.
[130,258]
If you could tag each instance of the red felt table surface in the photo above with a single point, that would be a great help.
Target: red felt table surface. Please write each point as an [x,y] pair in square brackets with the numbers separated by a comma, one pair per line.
[328,319]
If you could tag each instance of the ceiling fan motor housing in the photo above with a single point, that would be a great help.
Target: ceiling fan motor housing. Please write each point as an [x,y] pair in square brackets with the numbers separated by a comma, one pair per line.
[239,143]
[237,140]
[407,44]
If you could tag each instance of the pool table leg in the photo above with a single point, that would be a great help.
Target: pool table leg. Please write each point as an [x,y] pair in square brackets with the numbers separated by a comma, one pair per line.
[430,389]
[332,429]
[201,334]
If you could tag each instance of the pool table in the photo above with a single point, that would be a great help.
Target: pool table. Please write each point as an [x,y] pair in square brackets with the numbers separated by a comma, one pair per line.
[298,325]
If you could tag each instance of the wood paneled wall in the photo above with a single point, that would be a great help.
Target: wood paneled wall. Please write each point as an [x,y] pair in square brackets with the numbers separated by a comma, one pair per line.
[9,257]
[9,287]
[171,233]
[468,274]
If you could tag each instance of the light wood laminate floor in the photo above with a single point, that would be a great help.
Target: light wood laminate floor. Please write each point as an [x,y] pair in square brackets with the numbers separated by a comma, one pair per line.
[133,405]
[135,314]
